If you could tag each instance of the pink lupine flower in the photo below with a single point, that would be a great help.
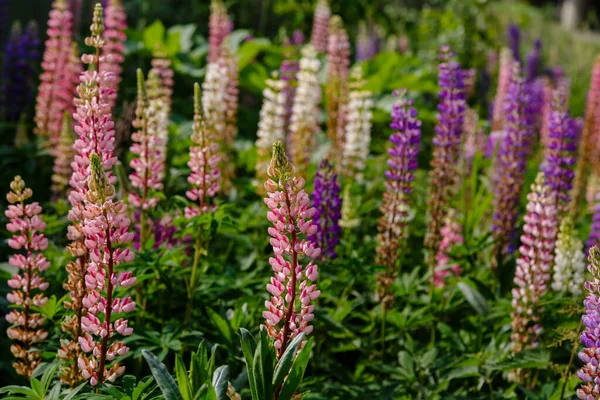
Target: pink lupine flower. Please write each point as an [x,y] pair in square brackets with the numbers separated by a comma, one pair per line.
[451,234]
[219,26]
[114,47]
[106,227]
[504,77]
[26,225]
[204,161]
[64,156]
[320,29]
[290,212]
[532,276]
[159,98]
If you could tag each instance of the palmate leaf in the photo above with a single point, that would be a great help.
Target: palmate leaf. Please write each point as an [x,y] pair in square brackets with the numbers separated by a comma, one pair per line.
[165,381]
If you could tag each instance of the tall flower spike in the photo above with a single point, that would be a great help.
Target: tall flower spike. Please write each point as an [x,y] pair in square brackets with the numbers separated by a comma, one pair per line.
[114,49]
[534,60]
[64,156]
[446,153]
[271,123]
[594,237]
[219,26]
[304,123]
[58,80]
[348,220]
[338,63]
[159,98]
[288,72]
[366,42]
[504,77]
[451,235]
[26,225]
[590,356]
[511,160]
[204,165]
[532,276]
[320,28]
[514,41]
[290,212]
[328,206]
[358,126]
[569,260]
[106,230]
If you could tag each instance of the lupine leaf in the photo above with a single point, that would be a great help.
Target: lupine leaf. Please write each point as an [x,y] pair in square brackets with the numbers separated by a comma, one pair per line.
[248,349]
[282,368]
[164,380]
[182,378]
[220,382]
[296,373]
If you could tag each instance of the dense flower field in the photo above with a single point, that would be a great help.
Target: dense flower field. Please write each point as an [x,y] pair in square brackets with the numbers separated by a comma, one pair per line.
[336,212]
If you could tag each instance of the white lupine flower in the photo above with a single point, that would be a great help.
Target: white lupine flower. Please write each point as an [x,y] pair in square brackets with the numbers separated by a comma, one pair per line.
[271,124]
[570,265]
[358,128]
[304,123]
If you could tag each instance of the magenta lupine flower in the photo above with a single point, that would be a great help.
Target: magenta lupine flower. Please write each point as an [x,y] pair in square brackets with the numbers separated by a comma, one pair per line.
[204,165]
[290,212]
[219,26]
[26,225]
[114,47]
[320,28]
[590,356]
[451,234]
[106,228]
[328,205]
[532,276]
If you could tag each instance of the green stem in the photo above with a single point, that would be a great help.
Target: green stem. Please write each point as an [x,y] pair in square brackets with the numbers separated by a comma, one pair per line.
[192,284]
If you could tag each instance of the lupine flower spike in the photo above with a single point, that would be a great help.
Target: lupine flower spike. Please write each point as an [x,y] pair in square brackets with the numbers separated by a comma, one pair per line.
[402,163]
[594,237]
[26,225]
[532,276]
[64,156]
[114,48]
[447,142]
[288,72]
[569,260]
[328,205]
[590,356]
[106,230]
[349,220]
[220,26]
[304,123]
[292,288]
[504,77]
[358,126]
[320,29]
[514,41]
[451,236]
[159,98]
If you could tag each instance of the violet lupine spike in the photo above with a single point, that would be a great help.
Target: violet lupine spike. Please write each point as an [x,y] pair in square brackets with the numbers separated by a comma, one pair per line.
[204,165]
[451,235]
[366,43]
[290,212]
[219,26]
[447,148]
[514,41]
[320,28]
[57,84]
[106,231]
[534,61]
[298,38]
[114,48]
[536,256]
[402,163]
[510,163]
[25,329]
[328,205]
[560,154]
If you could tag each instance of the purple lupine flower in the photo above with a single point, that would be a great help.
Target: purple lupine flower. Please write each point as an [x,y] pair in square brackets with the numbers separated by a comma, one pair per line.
[22,52]
[590,356]
[289,73]
[511,160]
[514,41]
[328,205]
[560,154]
[366,43]
[298,38]
[594,237]
[534,60]
[447,147]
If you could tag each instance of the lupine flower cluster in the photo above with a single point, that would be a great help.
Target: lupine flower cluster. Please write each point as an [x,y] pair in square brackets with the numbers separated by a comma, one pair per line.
[532,276]
[288,72]
[106,227]
[569,260]
[26,225]
[451,233]
[20,55]
[320,28]
[304,123]
[64,156]
[504,77]
[204,165]
[366,43]
[358,126]
[220,26]
[336,91]
[514,41]
[328,205]
[159,98]
[594,236]
[271,125]
[348,220]
[114,47]
[447,141]
[290,212]
[402,163]
[534,60]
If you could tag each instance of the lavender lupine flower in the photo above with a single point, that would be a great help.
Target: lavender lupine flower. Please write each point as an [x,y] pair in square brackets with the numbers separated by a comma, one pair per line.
[114,48]
[447,141]
[451,234]
[510,162]
[220,26]
[514,41]
[532,276]
[28,240]
[290,212]
[366,43]
[402,163]
[298,38]
[534,60]
[106,229]
[560,154]
[569,260]
[328,205]
[590,356]
[320,28]
[289,74]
